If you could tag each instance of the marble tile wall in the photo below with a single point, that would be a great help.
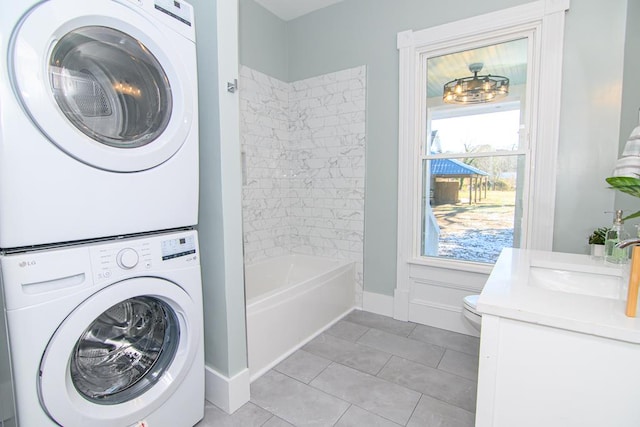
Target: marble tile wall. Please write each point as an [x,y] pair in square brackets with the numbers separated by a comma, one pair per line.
[264,137]
[304,150]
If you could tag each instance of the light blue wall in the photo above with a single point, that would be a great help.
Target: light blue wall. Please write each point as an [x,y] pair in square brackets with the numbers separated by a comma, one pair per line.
[357,32]
[590,119]
[225,343]
[263,40]
[630,99]
[210,220]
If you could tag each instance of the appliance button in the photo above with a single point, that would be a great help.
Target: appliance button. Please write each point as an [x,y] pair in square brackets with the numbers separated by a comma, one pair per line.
[127,258]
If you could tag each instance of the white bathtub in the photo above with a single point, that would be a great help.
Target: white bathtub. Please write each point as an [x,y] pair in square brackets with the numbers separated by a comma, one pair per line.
[290,300]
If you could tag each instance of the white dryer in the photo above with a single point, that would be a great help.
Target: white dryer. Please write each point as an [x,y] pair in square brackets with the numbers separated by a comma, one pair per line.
[107,333]
[98,119]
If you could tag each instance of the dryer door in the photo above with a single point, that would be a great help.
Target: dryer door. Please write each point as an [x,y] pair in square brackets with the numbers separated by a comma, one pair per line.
[113,364]
[104,83]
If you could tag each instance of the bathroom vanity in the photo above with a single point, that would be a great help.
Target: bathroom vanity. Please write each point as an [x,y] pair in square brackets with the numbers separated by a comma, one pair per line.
[556,348]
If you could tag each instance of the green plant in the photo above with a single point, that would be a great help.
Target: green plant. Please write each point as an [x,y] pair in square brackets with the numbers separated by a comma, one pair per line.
[598,236]
[627,185]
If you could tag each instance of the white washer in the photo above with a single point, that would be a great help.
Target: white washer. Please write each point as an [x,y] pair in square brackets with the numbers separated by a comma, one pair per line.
[98,119]
[107,333]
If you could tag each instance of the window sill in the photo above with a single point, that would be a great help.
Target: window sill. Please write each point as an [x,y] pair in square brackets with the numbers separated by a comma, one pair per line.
[468,266]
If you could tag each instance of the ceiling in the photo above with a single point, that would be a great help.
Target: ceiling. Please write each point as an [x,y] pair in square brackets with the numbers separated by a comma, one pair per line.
[292,9]
[504,59]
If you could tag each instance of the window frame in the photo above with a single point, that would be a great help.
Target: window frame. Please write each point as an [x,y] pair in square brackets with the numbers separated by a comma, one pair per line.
[544,21]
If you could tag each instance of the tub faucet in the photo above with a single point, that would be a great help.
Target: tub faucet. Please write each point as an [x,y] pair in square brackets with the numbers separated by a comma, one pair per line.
[634,275]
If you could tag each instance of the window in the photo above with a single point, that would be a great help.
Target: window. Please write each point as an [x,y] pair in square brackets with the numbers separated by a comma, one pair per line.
[498,185]
[474,156]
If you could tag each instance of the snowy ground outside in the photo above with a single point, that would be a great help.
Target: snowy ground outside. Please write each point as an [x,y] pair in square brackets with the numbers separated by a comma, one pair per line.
[476,232]
[475,245]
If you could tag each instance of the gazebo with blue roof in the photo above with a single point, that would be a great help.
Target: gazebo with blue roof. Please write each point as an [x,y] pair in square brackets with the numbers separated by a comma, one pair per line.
[446,191]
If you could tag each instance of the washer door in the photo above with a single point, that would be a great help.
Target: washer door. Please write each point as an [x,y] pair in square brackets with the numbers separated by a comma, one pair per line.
[113,364]
[103,83]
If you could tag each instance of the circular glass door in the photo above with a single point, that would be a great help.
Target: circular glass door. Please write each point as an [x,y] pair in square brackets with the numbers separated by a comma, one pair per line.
[105,84]
[110,86]
[125,350]
[121,353]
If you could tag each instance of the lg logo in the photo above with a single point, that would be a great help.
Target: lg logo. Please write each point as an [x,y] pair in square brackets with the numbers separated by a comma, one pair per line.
[27,263]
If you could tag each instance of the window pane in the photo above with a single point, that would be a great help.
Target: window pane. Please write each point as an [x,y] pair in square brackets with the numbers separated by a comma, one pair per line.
[472,207]
[494,131]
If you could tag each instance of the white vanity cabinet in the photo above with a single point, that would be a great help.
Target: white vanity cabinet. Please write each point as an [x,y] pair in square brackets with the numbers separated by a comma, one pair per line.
[556,349]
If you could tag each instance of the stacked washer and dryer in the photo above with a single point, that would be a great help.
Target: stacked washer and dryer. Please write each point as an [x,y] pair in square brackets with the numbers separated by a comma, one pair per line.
[100,273]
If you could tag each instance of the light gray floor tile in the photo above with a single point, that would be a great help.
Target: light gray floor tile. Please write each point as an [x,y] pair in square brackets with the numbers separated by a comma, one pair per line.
[384,323]
[373,394]
[453,340]
[295,402]
[248,415]
[358,417]
[277,422]
[347,330]
[461,364]
[431,412]
[289,395]
[417,351]
[442,385]
[303,366]
[355,355]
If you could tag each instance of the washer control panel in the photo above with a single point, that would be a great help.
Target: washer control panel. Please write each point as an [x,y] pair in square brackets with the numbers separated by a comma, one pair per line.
[139,256]
[127,258]
[112,260]
[178,247]
[176,9]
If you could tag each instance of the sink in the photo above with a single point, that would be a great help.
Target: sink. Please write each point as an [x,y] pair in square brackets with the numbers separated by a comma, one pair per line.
[602,282]
[570,292]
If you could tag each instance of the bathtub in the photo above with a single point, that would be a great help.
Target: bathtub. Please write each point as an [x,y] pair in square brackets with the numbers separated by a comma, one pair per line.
[290,300]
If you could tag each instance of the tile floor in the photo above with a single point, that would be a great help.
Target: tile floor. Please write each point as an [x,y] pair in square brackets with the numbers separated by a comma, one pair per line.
[366,370]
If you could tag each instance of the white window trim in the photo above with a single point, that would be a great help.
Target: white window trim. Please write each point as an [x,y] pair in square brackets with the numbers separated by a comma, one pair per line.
[546,18]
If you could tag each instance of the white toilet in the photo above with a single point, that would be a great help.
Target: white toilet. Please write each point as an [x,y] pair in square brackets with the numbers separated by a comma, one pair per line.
[469,305]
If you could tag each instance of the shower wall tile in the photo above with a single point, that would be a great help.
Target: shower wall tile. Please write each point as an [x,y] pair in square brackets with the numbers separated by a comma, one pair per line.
[304,148]
[264,130]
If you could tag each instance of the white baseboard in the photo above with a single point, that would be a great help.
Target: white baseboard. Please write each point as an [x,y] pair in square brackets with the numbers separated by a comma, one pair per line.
[429,313]
[440,316]
[401,304]
[228,394]
[377,303]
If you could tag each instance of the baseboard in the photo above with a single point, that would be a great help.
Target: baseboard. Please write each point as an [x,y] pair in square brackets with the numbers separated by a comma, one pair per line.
[401,304]
[428,313]
[378,303]
[228,394]
[440,316]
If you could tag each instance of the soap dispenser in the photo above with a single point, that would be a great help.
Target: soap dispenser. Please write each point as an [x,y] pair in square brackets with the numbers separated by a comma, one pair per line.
[612,254]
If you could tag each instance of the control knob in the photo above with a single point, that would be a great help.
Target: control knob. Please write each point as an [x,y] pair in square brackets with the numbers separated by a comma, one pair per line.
[127,258]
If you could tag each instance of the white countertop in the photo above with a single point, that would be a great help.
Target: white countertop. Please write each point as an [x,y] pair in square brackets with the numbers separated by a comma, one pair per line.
[511,292]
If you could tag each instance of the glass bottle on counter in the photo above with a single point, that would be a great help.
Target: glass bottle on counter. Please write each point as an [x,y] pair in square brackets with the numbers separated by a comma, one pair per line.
[612,254]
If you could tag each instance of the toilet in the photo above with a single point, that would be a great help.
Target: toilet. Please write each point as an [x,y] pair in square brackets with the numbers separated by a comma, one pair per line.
[469,305]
